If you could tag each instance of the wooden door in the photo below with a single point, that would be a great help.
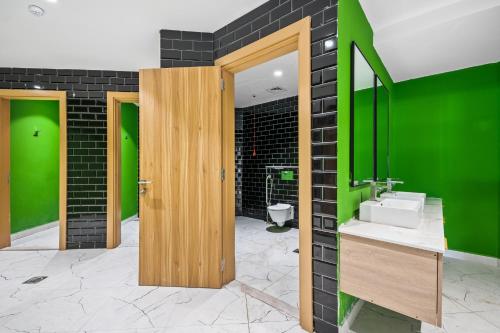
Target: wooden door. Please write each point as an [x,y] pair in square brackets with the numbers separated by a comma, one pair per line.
[4,172]
[180,242]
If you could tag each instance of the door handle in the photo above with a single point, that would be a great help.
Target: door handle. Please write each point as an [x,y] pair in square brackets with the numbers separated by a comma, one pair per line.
[144,182]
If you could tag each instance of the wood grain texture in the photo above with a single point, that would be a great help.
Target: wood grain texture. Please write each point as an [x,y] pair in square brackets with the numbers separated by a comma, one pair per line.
[439,299]
[296,36]
[63,170]
[228,193]
[113,213]
[4,173]
[305,174]
[180,238]
[5,96]
[399,278]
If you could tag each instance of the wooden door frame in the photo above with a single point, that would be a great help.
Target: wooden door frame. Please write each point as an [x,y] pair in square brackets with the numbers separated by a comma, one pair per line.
[114,165]
[295,37]
[60,96]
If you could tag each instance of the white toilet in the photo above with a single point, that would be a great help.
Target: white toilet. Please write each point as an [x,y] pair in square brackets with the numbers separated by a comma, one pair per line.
[280,213]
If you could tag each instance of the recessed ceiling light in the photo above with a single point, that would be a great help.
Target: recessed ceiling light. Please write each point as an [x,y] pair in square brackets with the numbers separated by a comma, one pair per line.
[36,10]
[51,1]
[278,73]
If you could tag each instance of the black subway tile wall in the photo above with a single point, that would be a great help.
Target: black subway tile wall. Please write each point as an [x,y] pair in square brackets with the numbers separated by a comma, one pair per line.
[239,162]
[275,125]
[86,122]
[258,23]
[186,48]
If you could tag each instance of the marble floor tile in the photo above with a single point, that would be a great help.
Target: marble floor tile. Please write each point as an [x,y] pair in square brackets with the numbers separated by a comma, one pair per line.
[266,261]
[97,290]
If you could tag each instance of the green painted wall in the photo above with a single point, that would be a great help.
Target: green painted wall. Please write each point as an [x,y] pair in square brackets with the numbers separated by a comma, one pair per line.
[353,26]
[382,133]
[363,135]
[130,159]
[34,186]
[445,142]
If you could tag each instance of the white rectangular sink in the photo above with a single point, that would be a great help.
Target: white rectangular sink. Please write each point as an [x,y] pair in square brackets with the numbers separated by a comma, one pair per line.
[412,196]
[396,212]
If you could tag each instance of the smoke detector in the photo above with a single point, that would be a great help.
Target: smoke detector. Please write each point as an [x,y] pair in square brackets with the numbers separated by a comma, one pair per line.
[36,10]
[276,90]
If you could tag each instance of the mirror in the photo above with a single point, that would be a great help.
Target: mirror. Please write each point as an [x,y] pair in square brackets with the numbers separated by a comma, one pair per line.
[382,129]
[362,165]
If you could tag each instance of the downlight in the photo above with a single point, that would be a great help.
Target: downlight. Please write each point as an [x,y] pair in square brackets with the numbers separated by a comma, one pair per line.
[36,10]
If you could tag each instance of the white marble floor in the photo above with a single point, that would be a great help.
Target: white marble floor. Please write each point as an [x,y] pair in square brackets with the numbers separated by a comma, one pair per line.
[97,291]
[266,261]
[471,304]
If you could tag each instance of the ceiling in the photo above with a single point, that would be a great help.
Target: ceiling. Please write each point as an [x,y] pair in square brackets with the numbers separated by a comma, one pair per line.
[425,37]
[252,85]
[103,34]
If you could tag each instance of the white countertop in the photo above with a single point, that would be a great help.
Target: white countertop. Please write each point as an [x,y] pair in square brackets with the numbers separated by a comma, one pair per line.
[429,235]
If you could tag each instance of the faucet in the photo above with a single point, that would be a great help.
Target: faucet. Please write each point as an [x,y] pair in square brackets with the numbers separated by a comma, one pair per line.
[375,188]
[391,182]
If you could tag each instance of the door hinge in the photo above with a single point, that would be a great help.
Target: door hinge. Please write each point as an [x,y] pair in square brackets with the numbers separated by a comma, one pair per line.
[222,264]
[223,174]
[221,84]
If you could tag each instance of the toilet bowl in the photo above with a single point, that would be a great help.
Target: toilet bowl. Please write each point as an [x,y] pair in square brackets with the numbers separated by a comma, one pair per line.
[280,213]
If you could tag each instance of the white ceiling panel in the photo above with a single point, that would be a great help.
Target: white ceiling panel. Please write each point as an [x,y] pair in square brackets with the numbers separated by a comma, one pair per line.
[426,37]
[255,85]
[104,34]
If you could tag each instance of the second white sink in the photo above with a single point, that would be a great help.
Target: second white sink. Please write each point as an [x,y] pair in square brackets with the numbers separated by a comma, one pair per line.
[412,196]
[396,212]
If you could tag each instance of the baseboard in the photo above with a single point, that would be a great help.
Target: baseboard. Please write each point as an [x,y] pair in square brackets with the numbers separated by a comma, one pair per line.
[490,261]
[132,218]
[29,232]
[351,317]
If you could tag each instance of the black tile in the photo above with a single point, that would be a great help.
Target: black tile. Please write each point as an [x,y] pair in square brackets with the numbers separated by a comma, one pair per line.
[325,299]
[323,61]
[324,90]
[170,34]
[324,31]
[281,10]
[191,55]
[260,22]
[315,7]
[190,35]
[203,46]
[291,18]
[324,268]
[182,45]
[242,32]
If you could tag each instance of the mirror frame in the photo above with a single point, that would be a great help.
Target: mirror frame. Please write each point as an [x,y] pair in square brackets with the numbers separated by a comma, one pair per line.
[351,120]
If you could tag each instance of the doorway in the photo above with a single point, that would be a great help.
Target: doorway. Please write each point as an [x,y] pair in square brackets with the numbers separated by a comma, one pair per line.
[295,37]
[267,198]
[123,169]
[33,172]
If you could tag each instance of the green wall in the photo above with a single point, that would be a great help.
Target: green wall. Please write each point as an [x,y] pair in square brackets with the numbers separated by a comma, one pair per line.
[382,133]
[34,186]
[363,135]
[353,26]
[445,142]
[130,159]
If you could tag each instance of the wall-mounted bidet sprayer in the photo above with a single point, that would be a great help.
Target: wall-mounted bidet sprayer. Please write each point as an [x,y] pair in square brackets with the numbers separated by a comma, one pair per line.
[269,189]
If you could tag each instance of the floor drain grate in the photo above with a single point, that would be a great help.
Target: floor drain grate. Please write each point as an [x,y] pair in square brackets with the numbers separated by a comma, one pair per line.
[35,279]
[296,250]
